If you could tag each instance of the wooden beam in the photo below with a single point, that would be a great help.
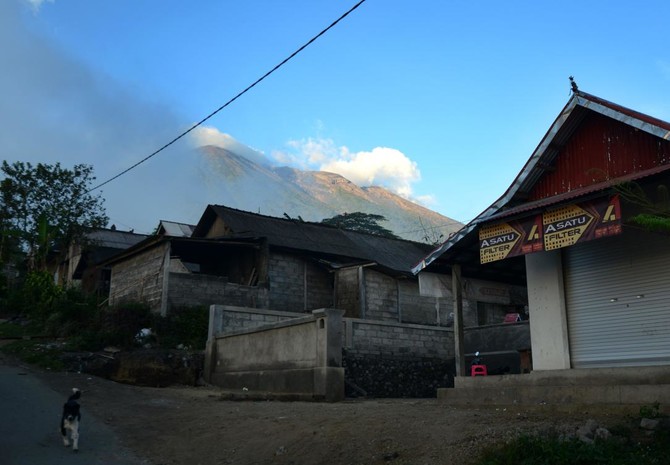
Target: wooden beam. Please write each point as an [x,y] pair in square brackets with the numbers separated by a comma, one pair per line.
[457,293]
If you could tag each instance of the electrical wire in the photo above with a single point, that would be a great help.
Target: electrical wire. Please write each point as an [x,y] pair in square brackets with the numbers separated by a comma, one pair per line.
[282,63]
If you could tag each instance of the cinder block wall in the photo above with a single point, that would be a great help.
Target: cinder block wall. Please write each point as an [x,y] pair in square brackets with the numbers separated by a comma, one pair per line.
[381,295]
[381,359]
[287,275]
[346,292]
[187,290]
[139,279]
[422,310]
[297,357]
[396,339]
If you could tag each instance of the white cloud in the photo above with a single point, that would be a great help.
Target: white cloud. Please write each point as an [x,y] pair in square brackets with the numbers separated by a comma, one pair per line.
[382,166]
[37,4]
[207,135]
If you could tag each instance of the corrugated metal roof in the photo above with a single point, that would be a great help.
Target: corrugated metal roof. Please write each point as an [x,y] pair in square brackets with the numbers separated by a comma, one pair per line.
[114,239]
[570,118]
[575,193]
[171,228]
[392,254]
[543,158]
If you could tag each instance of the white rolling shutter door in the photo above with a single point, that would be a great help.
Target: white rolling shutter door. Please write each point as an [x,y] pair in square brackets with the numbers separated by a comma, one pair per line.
[618,300]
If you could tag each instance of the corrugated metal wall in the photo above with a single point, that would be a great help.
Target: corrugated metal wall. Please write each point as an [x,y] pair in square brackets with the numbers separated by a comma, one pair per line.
[600,150]
[618,301]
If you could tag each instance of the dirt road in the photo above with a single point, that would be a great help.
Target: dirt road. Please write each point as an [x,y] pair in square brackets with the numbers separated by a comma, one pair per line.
[193,426]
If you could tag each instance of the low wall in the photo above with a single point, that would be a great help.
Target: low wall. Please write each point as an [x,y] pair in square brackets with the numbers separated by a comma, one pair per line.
[383,359]
[504,348]
[380,359]
[299,357]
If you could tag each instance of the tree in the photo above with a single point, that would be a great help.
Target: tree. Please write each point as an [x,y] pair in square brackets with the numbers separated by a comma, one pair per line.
[361,222]
[44,206]
[654,212]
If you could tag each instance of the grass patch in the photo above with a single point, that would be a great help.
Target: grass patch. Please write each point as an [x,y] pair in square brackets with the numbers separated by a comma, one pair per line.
[537,450]
[40,353]
[10,329]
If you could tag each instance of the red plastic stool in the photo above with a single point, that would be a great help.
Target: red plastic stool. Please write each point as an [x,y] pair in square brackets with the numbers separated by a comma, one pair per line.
[478,370]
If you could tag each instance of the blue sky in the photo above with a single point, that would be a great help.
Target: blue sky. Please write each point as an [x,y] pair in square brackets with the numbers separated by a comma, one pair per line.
[440,101]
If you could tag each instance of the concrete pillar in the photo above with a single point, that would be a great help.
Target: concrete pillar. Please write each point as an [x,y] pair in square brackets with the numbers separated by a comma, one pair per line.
[328,373]
[457,293]
[329,336]
[215,326]
[361,292]
[548,316]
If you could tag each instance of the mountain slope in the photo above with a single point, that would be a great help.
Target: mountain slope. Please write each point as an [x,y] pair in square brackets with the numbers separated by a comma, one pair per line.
[237,182]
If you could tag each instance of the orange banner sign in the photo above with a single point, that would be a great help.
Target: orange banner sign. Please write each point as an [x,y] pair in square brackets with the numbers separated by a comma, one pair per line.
[559,227]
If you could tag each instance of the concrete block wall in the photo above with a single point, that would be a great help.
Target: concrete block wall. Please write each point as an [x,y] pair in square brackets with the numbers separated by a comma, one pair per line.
[396,339]
[424,310]
[501,346]
[346,292]
[381,359]
[187,290]
[320,284]
[286,280]
[298,357]
[287,275]
[139,279]
[381,295]
[228,318]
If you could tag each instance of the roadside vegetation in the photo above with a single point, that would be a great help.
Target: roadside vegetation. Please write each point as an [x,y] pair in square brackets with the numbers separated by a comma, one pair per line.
[624,449]
[43,320]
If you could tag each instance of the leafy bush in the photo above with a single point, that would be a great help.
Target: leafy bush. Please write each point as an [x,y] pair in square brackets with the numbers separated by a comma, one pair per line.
[650,411]
[121,323]
[185,326]
[537,450]
[39,293]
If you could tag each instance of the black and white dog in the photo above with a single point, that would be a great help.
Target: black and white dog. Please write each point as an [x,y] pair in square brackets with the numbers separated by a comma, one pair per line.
[70,420]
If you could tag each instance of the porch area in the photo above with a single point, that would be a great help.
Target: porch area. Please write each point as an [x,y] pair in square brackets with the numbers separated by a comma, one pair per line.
[634,386]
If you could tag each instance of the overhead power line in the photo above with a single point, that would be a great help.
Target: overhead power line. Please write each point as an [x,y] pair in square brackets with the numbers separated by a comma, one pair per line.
[282,63]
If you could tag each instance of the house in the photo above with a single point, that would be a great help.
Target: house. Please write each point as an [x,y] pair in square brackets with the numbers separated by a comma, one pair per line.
[82,263]
[259,271]
[567,228]
[240,258]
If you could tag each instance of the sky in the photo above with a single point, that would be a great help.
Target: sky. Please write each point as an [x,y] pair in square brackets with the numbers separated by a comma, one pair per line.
[439,101]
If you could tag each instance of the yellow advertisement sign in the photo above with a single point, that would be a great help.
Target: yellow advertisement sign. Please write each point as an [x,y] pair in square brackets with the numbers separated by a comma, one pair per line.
[565,226]
[496,242]
[559,227]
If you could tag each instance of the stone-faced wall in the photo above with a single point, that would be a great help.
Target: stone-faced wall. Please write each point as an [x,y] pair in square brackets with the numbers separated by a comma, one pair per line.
[383,376]
[187,290]
[383,359]
[140,278]
[287,276]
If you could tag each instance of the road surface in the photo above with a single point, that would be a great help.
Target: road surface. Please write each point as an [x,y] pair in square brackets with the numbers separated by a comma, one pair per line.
[30,422]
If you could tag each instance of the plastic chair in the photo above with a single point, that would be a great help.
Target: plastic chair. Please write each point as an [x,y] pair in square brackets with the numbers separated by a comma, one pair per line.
[478,370]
